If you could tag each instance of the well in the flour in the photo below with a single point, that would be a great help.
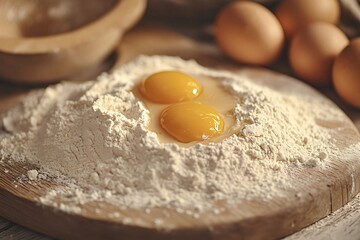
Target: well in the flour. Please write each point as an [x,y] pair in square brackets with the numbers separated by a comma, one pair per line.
[211,117]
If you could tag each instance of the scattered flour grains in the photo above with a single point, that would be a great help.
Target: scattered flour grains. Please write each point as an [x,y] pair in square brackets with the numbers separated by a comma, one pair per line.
[93,138]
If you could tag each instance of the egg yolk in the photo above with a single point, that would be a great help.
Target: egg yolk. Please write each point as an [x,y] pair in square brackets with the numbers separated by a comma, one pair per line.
[170,87]
[191,121]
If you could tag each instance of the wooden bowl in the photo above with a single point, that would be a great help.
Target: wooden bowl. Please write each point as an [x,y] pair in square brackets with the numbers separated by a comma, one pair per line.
[43,41]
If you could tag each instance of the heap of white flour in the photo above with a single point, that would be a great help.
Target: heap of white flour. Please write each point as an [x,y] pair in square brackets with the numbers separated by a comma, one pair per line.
[94,137]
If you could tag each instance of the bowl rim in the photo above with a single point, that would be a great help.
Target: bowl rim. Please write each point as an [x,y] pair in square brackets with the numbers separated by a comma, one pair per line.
[123,15]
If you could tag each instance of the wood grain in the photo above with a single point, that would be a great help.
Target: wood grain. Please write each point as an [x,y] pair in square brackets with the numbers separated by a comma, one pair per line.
[316,192]
[343,224]
[16,232]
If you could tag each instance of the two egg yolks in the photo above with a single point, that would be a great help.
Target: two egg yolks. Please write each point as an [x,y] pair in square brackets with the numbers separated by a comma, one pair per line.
[184,119]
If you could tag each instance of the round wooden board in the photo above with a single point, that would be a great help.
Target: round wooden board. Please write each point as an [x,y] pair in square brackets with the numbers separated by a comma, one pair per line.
[316,193]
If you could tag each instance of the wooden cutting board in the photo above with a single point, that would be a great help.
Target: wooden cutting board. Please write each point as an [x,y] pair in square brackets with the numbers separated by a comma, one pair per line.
[318,192]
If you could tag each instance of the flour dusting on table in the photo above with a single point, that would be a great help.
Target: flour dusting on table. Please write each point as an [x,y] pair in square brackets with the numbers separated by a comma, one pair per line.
[93,138]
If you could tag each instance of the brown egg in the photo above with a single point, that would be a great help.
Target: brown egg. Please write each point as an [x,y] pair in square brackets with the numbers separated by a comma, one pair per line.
[346,73]
[295,14]
[249,33]
[313,50]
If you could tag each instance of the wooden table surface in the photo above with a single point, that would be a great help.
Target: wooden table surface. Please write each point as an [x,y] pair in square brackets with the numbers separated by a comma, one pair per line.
[342,224]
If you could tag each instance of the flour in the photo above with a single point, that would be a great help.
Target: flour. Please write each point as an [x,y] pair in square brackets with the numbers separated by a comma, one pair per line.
[32,174]
[93,138]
